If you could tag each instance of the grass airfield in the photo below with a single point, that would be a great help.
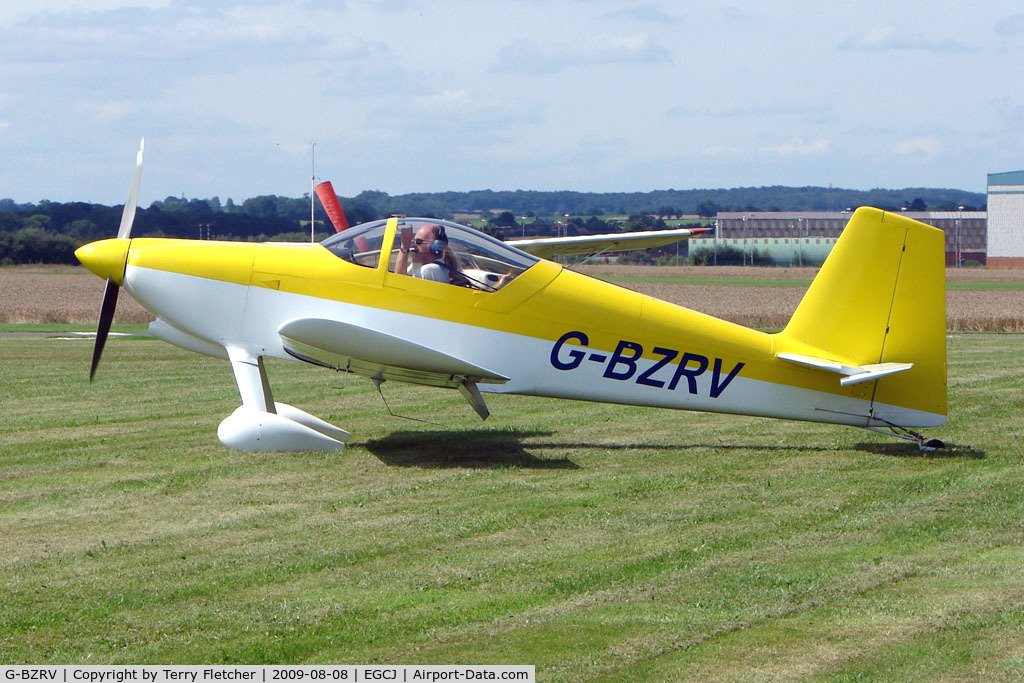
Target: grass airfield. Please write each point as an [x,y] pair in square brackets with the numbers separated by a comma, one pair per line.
[597,542]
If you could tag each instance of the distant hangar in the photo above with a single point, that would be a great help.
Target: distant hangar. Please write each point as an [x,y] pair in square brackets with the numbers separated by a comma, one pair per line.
[1006,220]
[994,237]
[965,230]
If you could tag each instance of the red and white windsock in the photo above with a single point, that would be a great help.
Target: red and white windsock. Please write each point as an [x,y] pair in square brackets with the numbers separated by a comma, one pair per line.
[329,200]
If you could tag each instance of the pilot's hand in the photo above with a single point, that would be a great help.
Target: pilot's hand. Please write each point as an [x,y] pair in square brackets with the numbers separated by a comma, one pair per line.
[406,236]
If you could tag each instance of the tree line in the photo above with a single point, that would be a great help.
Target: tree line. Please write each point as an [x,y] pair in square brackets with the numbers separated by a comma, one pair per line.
[49,232]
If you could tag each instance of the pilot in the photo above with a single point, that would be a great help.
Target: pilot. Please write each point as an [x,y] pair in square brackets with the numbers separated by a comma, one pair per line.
[432,259]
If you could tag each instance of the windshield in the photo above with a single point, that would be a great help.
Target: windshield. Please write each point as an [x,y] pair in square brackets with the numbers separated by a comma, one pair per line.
[361,245]
[467,257]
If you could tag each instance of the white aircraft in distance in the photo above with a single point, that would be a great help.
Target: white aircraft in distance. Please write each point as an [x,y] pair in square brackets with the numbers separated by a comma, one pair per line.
[431,302]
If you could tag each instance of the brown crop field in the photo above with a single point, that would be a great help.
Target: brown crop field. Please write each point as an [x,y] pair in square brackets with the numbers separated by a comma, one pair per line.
[988,305]
[42,294]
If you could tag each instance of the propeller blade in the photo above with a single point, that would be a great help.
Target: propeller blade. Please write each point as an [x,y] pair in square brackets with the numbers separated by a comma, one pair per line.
[128,216]
[111,288]
[103,328]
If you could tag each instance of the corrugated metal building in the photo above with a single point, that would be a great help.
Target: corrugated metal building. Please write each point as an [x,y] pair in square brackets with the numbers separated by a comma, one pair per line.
[1006,219]
[965,230]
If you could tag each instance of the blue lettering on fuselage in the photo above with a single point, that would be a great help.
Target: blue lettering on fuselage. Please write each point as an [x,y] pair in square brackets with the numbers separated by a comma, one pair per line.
[622,364]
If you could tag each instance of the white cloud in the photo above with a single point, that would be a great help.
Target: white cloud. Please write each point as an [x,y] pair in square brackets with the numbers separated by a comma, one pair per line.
[926,147]
[643,13]
[178,38]
[1010,111]
[1011,26]
[792,149]
[797,148]
[109,110]
[751,109]
[455,117]
[446,102]
[563,94]
[887,38]
[534,58]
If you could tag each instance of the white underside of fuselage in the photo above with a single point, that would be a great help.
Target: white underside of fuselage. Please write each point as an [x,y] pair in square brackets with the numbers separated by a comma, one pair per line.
[221,314]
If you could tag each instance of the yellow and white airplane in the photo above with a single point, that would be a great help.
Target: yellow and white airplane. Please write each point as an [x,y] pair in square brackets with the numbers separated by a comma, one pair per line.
[866,346]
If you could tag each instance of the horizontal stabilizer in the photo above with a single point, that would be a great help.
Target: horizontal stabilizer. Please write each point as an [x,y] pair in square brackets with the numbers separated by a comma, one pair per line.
[546,247]
[852,374]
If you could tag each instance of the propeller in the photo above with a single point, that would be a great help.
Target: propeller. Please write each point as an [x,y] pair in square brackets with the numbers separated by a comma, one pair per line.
[111,288]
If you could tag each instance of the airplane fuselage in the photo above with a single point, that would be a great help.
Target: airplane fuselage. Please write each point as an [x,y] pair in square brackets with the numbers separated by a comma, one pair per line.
[552,332]
[432,302]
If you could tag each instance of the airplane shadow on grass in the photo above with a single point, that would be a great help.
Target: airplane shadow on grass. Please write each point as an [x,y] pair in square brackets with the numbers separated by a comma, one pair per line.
[486,449]
[906,449]
[478,448]
[483,449]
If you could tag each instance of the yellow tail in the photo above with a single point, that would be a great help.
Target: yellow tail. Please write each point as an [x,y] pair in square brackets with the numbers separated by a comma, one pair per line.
[876,313]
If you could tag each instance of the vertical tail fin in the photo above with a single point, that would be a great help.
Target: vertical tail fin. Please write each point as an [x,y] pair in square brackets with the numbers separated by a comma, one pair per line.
[879,301]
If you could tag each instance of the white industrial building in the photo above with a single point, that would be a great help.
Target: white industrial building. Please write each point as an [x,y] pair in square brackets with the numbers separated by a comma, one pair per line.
[1006,220]
[792,236]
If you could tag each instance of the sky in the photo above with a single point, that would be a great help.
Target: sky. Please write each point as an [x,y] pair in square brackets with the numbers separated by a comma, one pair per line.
[240,99]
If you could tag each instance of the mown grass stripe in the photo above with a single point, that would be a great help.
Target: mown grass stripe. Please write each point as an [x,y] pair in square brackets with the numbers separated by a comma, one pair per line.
[594,541]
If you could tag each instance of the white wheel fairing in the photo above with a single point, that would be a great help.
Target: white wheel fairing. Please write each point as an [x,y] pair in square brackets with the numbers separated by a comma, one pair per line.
[248,429]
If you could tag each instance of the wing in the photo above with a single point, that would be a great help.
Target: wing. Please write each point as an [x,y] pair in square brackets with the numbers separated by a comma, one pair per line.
[546,247]
[377,354]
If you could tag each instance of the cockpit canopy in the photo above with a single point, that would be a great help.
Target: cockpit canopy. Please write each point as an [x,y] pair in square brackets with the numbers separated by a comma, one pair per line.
[472,258]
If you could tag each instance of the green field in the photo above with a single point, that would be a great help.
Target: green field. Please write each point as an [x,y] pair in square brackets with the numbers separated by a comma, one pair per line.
[596,542]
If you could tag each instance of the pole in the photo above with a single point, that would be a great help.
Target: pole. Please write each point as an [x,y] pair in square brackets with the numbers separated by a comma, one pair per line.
[312,192]
[716,239]
[959,228]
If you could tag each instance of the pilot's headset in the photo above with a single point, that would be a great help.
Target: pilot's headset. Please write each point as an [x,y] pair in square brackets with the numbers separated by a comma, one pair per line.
[437,247]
